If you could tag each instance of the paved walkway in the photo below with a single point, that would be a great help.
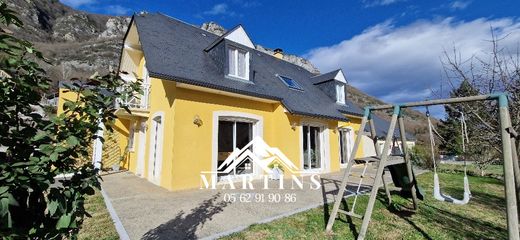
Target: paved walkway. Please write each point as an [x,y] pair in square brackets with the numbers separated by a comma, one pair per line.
[151,212]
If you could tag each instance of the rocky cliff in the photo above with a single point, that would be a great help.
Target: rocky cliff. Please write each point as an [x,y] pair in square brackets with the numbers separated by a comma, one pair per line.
[76,43]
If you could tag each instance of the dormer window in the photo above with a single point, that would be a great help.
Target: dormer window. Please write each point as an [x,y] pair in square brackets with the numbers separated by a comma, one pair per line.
[340,93]
[238,63]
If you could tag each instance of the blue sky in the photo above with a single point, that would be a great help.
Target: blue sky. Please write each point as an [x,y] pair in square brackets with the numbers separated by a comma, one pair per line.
[391,49]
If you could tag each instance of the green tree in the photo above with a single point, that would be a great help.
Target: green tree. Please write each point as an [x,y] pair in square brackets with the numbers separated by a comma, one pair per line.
[33,150]
[450,127]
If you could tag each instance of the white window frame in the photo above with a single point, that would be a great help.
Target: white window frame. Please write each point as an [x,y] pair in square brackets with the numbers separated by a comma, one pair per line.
[324,147]
[258,131]
[349,148]
[234,55]
[340,93]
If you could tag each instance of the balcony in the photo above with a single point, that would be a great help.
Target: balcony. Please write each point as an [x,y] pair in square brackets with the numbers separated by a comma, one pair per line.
[137,103]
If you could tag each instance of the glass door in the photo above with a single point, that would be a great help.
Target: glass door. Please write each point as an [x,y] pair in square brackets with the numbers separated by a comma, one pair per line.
[311,148]
[345,145]
[234,135]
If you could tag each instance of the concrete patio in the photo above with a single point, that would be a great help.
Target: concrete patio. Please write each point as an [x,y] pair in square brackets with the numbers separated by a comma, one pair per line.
[151,212]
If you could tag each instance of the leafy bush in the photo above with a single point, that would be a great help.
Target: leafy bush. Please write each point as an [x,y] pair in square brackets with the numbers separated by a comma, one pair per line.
[33,204]
[421,156]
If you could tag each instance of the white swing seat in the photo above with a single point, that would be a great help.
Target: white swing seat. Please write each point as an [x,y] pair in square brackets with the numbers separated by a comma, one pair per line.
[447,198]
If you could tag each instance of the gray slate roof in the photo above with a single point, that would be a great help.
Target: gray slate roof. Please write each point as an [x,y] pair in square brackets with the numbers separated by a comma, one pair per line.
[382,129]
[381,124]
[325,77]
[174,50]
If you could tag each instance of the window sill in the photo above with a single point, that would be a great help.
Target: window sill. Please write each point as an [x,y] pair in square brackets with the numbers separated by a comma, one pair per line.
[236,78]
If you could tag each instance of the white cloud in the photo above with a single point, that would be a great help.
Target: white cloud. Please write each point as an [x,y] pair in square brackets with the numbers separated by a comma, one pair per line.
[399,64]
[376,3]
[247,3]
[117,10]
[219,9]
[77,3]
[459,5]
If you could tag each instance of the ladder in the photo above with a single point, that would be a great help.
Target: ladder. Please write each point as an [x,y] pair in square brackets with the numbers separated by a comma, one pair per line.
[381,160]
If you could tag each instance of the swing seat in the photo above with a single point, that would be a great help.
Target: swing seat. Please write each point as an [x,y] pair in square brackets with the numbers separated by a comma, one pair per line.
[447,198]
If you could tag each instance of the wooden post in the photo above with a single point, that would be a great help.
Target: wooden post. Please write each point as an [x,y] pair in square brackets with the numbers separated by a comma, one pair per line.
[507,151]
[373,135]
[516,171]
[509,178]
[344,180]
[406,156]
[379,174]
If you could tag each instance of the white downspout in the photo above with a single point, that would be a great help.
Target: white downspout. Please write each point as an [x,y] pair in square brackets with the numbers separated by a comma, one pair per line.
[98,147]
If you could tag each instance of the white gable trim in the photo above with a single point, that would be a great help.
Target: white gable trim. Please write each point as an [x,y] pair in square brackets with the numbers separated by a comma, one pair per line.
[340,77]
[240,36]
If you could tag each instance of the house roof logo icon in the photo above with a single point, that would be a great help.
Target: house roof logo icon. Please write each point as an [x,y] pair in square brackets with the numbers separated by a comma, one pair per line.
[262,156]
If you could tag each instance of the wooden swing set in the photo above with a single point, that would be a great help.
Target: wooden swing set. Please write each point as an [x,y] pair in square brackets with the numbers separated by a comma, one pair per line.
[383,160]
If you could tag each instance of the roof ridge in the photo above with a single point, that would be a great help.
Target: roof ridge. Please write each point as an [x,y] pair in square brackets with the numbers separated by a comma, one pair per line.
[337,70]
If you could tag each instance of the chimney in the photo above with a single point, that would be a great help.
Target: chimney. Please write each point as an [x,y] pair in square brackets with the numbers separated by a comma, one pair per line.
[278,53]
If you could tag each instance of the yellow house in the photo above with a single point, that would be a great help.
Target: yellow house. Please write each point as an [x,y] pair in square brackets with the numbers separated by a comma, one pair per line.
[206,95]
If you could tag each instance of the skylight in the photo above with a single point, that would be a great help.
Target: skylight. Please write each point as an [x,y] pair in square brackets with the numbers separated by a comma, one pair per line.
[291,83]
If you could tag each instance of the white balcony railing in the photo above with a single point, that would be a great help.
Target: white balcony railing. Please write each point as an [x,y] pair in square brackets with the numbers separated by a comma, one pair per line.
[136,100]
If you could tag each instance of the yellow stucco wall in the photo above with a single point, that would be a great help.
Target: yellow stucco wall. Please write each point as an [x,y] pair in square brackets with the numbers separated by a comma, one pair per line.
[187,149]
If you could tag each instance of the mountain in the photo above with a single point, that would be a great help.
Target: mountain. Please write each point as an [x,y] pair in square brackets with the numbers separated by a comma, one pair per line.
[78,44]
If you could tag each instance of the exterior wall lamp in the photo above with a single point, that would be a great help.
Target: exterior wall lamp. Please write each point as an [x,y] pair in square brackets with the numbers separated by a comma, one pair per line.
[197,121]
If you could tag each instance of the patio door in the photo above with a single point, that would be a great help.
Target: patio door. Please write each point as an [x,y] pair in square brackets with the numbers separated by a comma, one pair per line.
[346,140]
[155,160]
[312,152]
[234,134]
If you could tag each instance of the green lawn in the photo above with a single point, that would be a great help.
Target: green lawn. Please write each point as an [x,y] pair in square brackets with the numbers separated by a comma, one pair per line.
[495,171]
[483,218]
[100,225]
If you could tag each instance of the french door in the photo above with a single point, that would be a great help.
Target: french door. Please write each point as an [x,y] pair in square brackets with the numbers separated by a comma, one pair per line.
[312,155]
[345,145]
[234,134]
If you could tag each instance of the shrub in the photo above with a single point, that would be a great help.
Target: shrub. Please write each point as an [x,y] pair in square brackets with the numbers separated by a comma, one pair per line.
[33,204]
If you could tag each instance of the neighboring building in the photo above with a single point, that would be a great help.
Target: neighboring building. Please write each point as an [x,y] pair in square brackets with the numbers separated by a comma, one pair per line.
[381,130]
[205,95]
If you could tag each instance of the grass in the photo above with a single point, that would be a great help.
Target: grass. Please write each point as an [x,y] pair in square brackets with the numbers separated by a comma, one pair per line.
[494,171]
[100,225]
[483,218]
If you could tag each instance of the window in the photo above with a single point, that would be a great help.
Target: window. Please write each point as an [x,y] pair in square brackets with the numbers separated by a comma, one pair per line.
[311,147]
[340,93]
[345,144]
[291,83]
[238,63]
